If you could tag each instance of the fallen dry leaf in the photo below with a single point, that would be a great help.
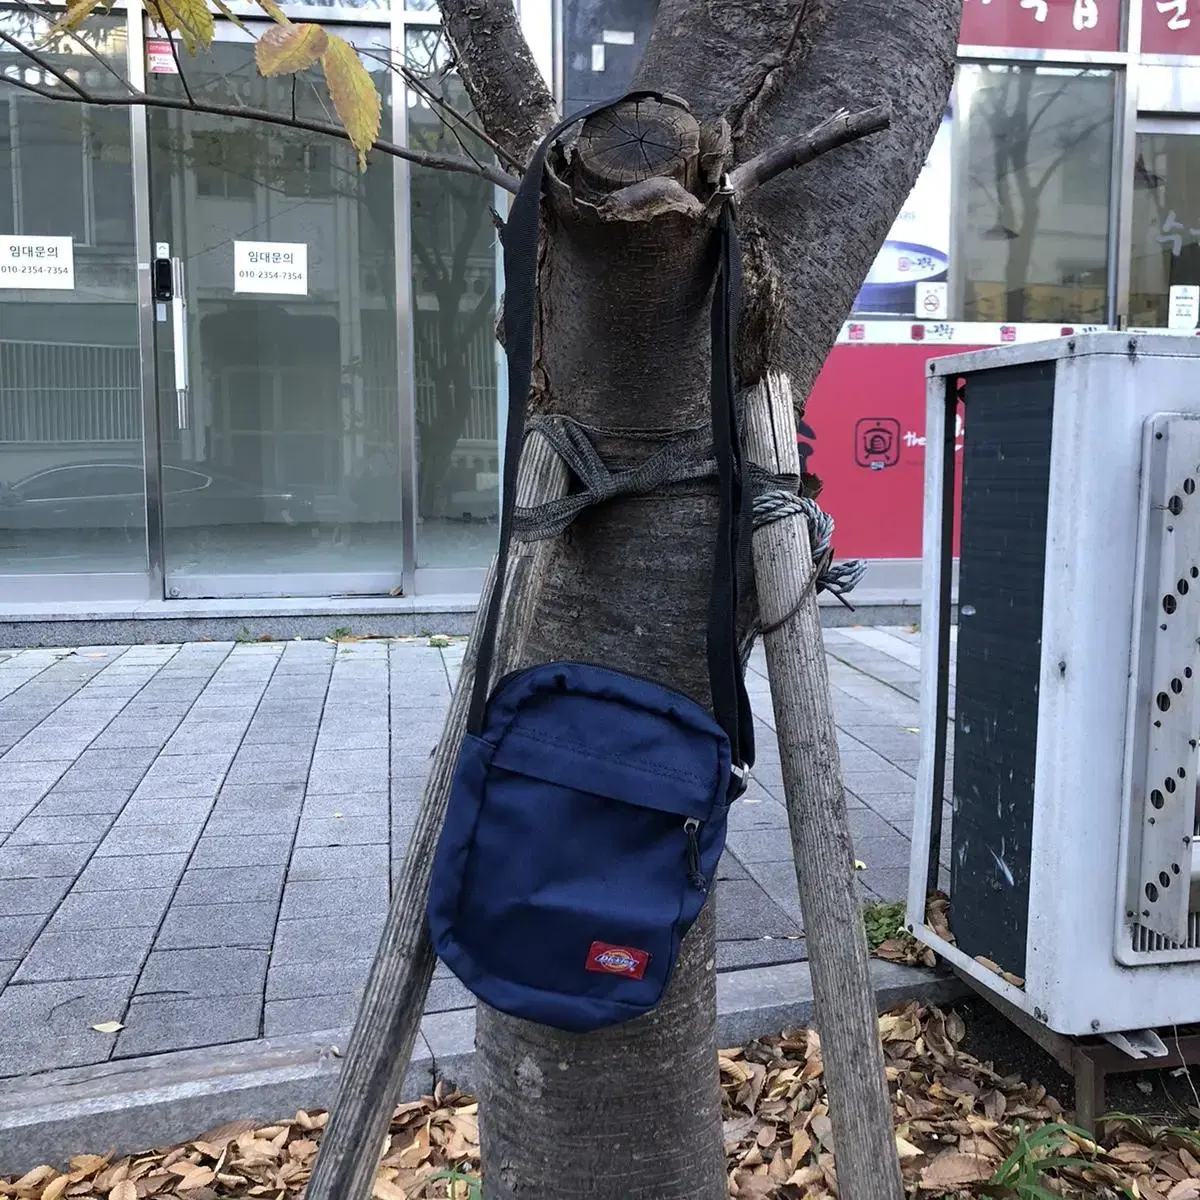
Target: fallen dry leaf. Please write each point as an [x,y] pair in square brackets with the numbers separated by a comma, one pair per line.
[953,1170]
[108,1027]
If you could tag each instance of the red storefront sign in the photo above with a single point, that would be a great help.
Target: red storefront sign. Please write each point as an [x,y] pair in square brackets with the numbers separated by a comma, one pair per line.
[866,416]
[1171,27]
[1043,24]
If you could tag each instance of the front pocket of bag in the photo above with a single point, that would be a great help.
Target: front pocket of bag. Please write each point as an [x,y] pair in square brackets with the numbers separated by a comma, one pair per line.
[568,890]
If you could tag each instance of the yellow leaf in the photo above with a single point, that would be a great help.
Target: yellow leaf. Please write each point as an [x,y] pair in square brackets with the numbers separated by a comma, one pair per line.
[229,14]
[125,1190]
[108,1027]
[906,1149]
[274,11]
[192,19]
[75,15]
[354,96]
[287,49]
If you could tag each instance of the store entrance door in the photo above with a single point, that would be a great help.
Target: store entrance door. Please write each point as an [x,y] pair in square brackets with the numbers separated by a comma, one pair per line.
[1164,277]
[276,322]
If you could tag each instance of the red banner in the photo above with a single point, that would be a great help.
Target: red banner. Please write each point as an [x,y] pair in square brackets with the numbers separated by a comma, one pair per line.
[1043,24]
[865,439]
[1171,27]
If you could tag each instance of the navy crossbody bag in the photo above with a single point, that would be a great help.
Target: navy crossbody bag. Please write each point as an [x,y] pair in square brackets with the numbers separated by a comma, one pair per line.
[588,808]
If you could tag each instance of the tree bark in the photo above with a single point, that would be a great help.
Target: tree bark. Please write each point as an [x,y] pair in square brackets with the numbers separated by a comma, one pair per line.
[859,1107]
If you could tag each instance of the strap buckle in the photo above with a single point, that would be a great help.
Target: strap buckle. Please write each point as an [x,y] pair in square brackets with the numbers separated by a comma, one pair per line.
[739,780]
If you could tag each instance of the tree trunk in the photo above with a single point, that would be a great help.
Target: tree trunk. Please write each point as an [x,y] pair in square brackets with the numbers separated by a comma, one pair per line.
[632,1111]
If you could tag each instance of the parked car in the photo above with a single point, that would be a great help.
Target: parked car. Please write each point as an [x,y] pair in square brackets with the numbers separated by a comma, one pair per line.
[111,495]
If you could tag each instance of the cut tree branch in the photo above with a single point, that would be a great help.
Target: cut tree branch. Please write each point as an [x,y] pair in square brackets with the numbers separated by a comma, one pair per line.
[843,127]
[79,95]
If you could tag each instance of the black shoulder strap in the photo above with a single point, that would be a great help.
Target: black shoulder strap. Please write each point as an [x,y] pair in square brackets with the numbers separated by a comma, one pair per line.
[731,707]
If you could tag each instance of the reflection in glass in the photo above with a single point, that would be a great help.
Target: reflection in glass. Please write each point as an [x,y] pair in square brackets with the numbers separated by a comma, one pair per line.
[72,483]
[1033,217]
[454,318]
[1166,224]
[289,423]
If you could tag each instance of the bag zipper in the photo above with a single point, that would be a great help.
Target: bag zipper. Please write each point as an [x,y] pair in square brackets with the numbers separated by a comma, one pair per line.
[695,876]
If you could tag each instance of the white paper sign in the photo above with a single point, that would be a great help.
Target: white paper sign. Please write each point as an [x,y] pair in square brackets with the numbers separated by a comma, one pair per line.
[160,60]
[271,268]
[37,262]
[932,303]
[1183,306]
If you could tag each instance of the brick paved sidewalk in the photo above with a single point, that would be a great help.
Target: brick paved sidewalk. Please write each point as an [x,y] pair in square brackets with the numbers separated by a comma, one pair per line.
[198,841]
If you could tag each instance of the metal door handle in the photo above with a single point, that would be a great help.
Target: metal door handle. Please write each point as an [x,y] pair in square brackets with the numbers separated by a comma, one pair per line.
[179,329]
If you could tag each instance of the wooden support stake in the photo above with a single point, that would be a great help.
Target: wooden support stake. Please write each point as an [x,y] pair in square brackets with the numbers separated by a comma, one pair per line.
[390,1013]
[859,1107]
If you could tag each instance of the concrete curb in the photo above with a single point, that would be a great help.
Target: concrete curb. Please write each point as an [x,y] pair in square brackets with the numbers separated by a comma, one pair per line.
[158,1100]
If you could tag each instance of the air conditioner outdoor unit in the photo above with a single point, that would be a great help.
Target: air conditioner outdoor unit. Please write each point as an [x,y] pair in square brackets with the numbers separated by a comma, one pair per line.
[1074,880]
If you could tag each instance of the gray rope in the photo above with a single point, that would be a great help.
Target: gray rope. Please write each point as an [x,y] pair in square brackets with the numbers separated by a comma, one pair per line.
[839,578]
[685,454]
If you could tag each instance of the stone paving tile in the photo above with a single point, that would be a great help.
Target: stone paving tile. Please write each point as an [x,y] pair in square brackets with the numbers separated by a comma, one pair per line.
[255,850]
[17,934]
[81,804]
[250,925]
[349,831]
[42,862]
[182,1023]
[127,908]
[316,979]
[60,830]
[135,871]
[312,1014]
[83,953]
[229,885]
[334,897]
[19,897]
[140,838]
[50,1024]
[230,971]
[317,939]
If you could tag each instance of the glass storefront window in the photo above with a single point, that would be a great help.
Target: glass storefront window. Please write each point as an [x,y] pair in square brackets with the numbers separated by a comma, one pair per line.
[72,480]
[1031,241]
[1166,225]
[281,451]
[454,259]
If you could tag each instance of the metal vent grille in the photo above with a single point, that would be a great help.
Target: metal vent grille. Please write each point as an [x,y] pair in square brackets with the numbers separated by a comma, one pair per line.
[1146,941]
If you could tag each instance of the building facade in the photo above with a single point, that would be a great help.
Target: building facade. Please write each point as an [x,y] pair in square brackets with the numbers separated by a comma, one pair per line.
[233,366]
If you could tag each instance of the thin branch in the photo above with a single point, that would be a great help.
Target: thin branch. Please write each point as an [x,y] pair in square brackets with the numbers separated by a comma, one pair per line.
[840,129]
[81,41]
[439,162]
[187,91]
[444,108]
[46,65]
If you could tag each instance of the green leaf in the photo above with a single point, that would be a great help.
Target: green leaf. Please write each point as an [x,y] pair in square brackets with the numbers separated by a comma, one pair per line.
[287,49]
[355,98]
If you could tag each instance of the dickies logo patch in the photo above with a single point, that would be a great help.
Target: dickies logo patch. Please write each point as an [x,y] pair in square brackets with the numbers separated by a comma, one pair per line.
[617,960]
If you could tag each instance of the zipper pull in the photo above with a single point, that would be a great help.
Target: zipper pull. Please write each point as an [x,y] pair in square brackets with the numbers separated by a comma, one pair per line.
[695,875]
